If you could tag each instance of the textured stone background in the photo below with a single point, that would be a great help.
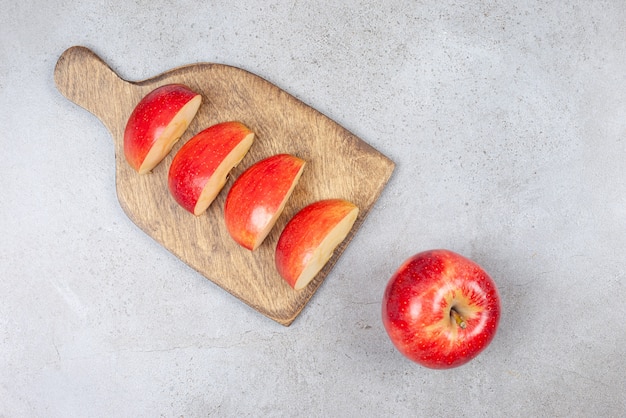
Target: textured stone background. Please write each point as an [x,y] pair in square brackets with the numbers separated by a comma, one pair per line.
[507,124]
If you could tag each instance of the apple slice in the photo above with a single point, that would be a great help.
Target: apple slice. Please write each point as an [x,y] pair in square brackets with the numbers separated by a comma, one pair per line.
[200,168]
[156,124]
[258,197]
[310,238]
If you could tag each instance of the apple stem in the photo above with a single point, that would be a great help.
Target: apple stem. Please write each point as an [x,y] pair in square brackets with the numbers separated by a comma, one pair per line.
[458,318]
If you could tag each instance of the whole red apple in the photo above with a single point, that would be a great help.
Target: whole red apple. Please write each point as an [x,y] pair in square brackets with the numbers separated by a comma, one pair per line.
[440,309]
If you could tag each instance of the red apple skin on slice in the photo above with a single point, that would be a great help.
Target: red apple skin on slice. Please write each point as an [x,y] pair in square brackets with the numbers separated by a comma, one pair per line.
[310,238]
[258,197]
[157,123]
[200,168]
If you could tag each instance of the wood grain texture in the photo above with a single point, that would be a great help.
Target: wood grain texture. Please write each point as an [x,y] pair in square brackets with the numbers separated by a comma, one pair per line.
[339,165]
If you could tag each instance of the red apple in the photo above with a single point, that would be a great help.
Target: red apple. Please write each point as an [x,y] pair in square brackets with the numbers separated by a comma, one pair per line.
[200,168]
[156,124]
[440,309]
[258,196]
[310,238]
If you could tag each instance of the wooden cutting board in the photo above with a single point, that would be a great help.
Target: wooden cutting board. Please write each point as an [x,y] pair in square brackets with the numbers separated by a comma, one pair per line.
[339,165]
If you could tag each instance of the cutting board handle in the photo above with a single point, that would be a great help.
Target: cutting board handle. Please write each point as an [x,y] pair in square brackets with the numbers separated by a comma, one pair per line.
[85,79]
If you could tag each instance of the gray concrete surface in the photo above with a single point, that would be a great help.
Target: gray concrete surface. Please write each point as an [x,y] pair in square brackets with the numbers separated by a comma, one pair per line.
[507,121]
